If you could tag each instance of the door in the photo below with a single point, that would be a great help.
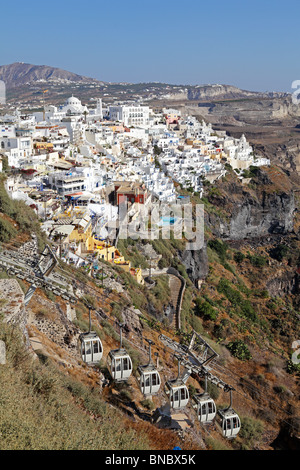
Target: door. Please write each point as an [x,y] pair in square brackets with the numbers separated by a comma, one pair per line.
[146,384]
[97,350]
[175,399]
[155,382]
[126,367]
[87,351]
[117,369]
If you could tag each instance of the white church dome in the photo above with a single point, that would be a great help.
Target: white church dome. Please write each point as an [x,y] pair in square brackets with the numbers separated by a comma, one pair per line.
[73,101]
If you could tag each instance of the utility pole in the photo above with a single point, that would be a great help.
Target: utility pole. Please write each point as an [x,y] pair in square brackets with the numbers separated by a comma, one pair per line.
[60,245]
[150,266]
[157,360]
[121,325]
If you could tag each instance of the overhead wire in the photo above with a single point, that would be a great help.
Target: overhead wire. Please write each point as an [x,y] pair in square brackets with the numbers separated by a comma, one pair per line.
[102,298]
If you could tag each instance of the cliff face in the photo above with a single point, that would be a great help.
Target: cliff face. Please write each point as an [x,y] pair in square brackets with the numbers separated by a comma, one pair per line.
[271,214]
[201,92]
[196,264]
[266,206]
[285,283]
[237,212]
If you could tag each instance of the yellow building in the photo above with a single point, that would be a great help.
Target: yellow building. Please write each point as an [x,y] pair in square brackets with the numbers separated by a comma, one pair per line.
[82,229]
[110,253]
[81,221]
[106,251]
[135,272]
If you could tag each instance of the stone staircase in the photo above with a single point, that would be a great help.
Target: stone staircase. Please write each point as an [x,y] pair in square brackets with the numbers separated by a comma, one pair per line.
[175,286]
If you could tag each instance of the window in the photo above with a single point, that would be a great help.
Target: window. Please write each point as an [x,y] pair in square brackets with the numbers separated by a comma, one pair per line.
[125,363]
[96,347]
[183,393]
[155,379]
[211,407]
[88,347]
[235,422]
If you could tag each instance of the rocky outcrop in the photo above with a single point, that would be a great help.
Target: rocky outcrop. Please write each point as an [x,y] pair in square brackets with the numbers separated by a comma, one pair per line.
[289,436]
[12,302]
[254,218]
[265,207]
[215,91]
[285,282]
[196,264]
[12,305]
[131,317]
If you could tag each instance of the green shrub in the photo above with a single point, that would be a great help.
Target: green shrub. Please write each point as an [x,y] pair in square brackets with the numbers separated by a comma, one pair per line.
[204,309]
[293,368]
[232,294]
[279,252]
[239,257]
[7,230]
[257,260]
[248,311]
[251,430]
[22,214]
[239,350]
[219,247]
[147,403]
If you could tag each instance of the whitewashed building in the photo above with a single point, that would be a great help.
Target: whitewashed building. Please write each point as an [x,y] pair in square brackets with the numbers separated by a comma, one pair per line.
[130,115]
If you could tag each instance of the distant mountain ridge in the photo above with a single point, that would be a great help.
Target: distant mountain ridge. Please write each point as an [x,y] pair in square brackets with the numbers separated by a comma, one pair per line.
[19,73]
[215,91]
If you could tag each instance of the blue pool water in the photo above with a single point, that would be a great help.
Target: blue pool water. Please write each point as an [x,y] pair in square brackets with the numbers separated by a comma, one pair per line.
[168,220]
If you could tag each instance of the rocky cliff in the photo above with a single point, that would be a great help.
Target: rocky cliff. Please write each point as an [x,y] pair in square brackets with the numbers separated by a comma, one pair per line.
[215,91]
[196,264]
[265,206]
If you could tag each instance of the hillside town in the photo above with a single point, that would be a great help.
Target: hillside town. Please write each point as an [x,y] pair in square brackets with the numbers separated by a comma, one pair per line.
[74,166]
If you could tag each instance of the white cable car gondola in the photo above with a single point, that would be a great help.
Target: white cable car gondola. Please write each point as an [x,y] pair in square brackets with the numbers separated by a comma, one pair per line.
[229,421]
[148,376]
[91,348]
[205,406]
[177,391]
[119,362]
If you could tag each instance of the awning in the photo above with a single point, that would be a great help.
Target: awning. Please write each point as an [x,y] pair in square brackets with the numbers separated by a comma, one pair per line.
[64,229]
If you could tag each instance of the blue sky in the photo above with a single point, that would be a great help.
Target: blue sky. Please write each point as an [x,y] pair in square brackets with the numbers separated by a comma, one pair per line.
[250,44]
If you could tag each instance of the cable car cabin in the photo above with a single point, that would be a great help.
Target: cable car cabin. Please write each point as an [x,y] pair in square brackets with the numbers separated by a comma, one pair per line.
[178,393]
[230,423]
[205,407]
[91,348]
[119,364]
[149,379]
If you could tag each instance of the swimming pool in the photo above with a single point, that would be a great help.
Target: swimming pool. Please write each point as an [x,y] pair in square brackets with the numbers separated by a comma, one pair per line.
[168,220]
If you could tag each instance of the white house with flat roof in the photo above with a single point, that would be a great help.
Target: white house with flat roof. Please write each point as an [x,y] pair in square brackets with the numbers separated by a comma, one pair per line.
[130,115]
